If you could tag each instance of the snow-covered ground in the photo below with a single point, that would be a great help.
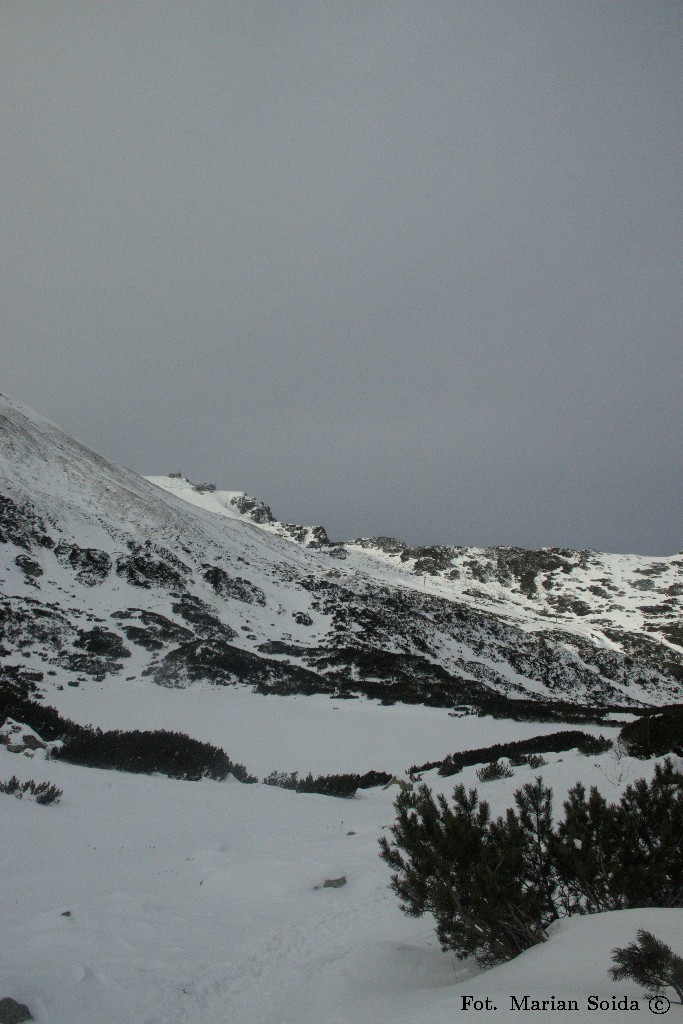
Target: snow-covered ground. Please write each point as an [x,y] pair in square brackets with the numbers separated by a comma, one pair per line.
[196,902]
[142,900]
[295,733]
[622,605]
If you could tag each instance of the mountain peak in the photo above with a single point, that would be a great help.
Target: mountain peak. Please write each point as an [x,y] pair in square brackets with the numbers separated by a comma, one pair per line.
[106,574]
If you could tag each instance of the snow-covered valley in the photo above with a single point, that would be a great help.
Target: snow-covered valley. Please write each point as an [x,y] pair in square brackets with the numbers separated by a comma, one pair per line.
[196,903]
[136,604]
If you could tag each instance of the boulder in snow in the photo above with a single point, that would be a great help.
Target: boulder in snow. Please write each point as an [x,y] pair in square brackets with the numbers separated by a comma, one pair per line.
[12,1012]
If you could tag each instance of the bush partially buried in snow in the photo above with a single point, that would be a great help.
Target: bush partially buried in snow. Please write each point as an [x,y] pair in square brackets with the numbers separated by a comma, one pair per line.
[44,792]
[171,753]
[342,785]
[650,963]
[494,886]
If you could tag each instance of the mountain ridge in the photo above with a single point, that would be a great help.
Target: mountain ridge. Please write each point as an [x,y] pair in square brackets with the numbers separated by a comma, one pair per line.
[105,573]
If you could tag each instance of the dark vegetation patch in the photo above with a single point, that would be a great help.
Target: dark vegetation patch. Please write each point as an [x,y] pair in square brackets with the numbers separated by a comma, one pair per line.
[143,638]
[525,566]
[171,753]
[673,633]
[91,565]
[20,525]
[647,651]
[227,586]
[200,615]
[524,710]
[554,742]
[389,545]
[564,604]
[102,642]
[147,567]
[46,721]
[429,561]
[318,535]
[25,622]
[89,665]
[643,584]
[380,675]
[652,735]
[493,771]
[218,661]
[287,648]
[341,785]
[396,676]
[44,792]
[29,566]
[156,630]
[18,682]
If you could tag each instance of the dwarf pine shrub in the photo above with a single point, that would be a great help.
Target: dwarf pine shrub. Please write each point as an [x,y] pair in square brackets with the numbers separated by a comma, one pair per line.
[494,886]
[328,785]
[44,792]
[493,771]
[649,962]
[158,750]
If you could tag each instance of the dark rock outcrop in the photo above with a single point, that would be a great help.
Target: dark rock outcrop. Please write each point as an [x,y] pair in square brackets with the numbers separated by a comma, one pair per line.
[236,587]
[91,565]
[20,525]
[252,507]
[30,568]
[142,569]
[12,1012]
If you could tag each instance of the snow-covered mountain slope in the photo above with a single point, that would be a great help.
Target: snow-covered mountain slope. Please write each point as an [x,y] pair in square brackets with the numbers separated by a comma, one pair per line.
[606,597]
[108,576]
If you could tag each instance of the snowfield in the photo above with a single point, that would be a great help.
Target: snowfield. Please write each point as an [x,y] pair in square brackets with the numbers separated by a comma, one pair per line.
[144,900]
[130,604]
[311,733]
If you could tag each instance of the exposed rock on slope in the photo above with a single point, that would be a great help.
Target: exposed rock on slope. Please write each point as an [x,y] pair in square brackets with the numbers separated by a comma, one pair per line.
[106,573]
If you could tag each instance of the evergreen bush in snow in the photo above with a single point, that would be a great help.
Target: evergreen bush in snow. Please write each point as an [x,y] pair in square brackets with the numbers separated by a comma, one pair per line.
[328,785]
[171,753]
[650,963]
[556,742]
[44,792]
[493,771]
[654,735]
[494,886]
[284,780]
[344,785]
[535,760]
[489,884]
[630,854]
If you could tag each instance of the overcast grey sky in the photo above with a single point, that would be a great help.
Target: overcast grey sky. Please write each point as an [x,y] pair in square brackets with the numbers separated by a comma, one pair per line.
[406,268]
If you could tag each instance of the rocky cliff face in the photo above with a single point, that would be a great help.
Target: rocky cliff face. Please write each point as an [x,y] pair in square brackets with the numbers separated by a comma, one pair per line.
[104,573]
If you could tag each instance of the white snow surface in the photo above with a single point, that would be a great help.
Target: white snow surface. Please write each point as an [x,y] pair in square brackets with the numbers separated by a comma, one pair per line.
[87,502]
[143,900]
[621,606]
[295,733]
